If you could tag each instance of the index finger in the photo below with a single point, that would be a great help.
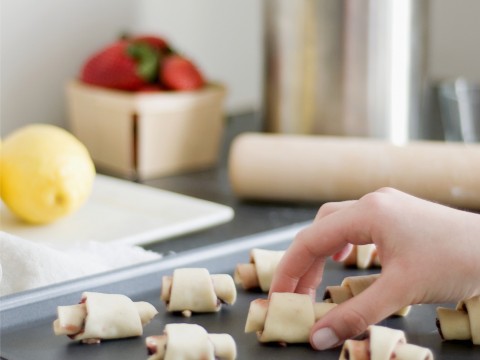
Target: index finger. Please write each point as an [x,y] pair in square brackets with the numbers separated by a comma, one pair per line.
[312,245]
[296,262]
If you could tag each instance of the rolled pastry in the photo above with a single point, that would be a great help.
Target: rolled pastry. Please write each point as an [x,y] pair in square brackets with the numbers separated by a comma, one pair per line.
[363,257]
[258,273]
[103,316]
[383,343]
[285,318]
[195,290]
[190,342]
[462,323]
[352,286]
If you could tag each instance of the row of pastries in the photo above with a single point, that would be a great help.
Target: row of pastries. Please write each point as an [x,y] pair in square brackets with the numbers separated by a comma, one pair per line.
[100,316]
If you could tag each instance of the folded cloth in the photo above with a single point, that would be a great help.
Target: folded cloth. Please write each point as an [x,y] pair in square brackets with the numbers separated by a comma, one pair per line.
[25,264]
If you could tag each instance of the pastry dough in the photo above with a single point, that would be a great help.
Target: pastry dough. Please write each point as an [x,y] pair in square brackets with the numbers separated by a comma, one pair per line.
[363,257]
[195,290]
[352,286]
[103,316]
[258,273]
[190,342]
[383,343]
[285,318]
[462,323]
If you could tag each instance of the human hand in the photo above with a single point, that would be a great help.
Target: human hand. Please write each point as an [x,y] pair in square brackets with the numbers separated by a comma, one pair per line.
[429,253]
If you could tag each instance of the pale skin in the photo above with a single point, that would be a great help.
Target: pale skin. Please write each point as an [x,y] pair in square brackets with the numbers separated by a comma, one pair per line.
[429,253]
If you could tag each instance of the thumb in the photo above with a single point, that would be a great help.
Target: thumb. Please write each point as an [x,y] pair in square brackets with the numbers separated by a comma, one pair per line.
[351,318]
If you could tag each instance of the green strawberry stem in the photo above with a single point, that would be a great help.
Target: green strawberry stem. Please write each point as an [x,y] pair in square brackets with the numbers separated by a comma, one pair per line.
[148,58]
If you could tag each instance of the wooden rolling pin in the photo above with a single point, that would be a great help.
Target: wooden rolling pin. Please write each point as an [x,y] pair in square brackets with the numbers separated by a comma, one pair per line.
[315,168]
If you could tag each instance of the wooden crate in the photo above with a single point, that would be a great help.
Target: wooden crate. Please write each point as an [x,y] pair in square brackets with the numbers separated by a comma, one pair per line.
[148,134]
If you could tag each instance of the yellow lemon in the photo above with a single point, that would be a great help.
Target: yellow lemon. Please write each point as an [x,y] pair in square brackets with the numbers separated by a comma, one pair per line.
[45,173]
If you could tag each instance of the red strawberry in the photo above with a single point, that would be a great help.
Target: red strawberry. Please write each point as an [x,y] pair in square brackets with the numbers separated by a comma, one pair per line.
[179,73]
[156,42]
[122,65]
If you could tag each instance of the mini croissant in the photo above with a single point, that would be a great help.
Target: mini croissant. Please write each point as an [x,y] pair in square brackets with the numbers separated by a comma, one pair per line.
[383,343]
[462,323]
[190,341]
[195,290]
[285,317]
[352,286]
[103,316]
[258,273]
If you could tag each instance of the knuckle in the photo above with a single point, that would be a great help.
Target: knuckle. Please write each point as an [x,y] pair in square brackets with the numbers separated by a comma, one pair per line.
[377,202]
[325,209]
[301,235]
[354,322]
[387,190]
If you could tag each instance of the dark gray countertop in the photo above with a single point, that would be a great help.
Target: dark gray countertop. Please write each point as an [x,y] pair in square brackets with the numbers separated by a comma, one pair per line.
[213,185]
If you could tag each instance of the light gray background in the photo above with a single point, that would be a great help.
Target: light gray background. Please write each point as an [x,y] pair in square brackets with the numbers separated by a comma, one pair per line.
[43,44]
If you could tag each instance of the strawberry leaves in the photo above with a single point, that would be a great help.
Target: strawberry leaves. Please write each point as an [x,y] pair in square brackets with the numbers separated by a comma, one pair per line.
[147,59]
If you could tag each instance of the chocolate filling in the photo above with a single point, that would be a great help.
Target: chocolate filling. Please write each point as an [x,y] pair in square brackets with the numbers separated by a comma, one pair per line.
[439,327]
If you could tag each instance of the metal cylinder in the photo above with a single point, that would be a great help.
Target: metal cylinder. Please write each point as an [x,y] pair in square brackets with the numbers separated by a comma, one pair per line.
[346,67]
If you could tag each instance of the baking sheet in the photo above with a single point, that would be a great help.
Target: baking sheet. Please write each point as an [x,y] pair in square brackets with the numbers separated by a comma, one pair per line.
[26,319]
[124,212]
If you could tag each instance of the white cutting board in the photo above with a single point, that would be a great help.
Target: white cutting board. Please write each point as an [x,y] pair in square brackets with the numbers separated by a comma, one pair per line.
[124,212]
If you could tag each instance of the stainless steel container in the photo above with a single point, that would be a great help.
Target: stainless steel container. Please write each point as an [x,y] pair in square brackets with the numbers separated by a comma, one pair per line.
[346,67]
[459,102]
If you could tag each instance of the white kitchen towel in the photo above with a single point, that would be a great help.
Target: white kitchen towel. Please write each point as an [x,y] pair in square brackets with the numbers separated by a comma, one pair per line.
[25,264]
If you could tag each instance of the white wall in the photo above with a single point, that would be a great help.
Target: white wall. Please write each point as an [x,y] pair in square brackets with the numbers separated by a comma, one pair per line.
[222,36]
[43,44]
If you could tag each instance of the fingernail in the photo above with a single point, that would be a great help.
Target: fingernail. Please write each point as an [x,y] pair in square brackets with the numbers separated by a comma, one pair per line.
[324,339]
